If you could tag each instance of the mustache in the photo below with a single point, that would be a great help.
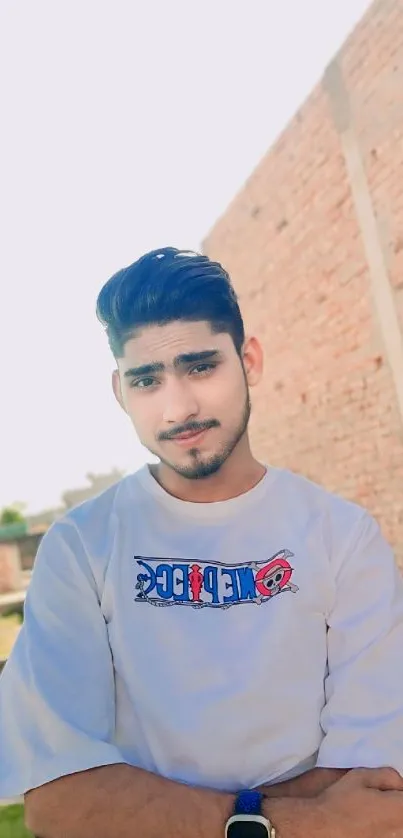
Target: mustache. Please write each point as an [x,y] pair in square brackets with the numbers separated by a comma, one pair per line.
[189,427]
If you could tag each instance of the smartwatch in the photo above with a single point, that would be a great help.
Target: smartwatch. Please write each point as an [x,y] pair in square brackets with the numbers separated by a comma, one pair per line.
[248,820]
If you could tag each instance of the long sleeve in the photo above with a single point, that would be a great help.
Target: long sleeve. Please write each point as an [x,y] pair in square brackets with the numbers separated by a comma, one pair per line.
[57,697]
[363,716]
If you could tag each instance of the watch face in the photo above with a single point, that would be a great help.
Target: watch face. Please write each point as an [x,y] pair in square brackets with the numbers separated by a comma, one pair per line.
[247,829]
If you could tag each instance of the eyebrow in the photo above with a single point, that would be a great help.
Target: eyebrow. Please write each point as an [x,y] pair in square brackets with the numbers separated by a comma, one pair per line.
[180,361]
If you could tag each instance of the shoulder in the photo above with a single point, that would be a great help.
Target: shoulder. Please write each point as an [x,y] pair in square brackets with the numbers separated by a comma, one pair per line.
[314,498]
[86,533]
[339,524]
[100,513]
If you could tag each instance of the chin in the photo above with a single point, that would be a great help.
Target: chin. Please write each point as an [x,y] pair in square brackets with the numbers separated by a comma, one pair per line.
[200,469]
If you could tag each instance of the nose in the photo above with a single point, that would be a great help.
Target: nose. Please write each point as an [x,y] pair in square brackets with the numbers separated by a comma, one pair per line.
[180,403]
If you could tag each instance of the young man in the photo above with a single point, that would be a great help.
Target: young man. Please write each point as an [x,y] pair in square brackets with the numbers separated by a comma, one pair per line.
[211,625]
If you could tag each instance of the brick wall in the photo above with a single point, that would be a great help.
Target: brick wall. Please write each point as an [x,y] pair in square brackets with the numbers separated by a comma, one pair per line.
[314,244]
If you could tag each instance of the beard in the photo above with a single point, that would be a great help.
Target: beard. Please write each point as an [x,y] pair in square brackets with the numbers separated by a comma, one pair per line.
[200,468]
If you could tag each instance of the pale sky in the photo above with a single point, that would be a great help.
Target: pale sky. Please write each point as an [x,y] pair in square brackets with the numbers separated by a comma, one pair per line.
[125,126]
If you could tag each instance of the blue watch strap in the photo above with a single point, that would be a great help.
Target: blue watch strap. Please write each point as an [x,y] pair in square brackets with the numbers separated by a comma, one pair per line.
[248,803]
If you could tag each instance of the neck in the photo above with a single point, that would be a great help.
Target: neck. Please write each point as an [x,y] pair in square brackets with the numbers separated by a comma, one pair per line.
[240,473]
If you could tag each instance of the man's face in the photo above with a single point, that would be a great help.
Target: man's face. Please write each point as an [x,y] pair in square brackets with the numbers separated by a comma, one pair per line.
[186,392]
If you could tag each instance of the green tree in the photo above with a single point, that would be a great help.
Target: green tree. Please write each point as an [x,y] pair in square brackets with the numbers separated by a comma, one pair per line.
[12,515]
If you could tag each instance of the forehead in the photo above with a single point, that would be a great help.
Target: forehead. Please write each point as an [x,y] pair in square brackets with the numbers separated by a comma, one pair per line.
[164,343]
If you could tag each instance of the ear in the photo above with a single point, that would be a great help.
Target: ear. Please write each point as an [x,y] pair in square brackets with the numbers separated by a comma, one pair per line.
[117,389]
[252,357]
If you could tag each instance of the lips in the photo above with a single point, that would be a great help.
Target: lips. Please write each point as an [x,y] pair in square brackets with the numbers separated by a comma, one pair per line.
[189,437]
[187,434]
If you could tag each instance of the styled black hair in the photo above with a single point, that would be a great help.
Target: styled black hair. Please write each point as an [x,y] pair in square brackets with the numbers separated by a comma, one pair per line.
[166,285]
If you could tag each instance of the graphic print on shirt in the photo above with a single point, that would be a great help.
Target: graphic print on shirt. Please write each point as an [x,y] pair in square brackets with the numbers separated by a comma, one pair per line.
[205,584]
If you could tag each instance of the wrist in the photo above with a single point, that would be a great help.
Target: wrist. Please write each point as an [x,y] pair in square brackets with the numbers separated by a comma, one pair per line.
[293,817]
[248,817]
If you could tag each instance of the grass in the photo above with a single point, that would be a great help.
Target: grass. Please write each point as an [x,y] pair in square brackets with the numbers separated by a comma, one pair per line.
[12,822]
[9,628]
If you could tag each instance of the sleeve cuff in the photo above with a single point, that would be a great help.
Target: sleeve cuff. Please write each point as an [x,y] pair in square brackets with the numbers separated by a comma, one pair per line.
[39,773]
[360,757]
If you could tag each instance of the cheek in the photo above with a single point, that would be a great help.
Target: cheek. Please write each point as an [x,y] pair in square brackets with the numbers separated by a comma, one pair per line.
[226,395]
[141,412]
[233,383]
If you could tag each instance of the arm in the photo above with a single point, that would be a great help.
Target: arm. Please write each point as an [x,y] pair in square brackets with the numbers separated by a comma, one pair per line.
[57,698]
[111,800]
[128,802]
[125,802]
[310,784]
[363,715]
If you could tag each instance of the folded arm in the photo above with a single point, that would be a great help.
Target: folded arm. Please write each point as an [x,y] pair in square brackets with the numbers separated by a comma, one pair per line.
[120,800]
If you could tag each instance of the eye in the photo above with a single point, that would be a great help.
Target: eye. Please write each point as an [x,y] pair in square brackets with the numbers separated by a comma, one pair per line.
[143,383]
[202,369]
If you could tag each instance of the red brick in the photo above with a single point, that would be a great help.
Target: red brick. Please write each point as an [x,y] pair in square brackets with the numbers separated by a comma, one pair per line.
[292,244]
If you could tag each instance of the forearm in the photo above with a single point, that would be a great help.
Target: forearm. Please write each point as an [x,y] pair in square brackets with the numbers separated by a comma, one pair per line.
[120,800]
[306,785]
[124,801]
